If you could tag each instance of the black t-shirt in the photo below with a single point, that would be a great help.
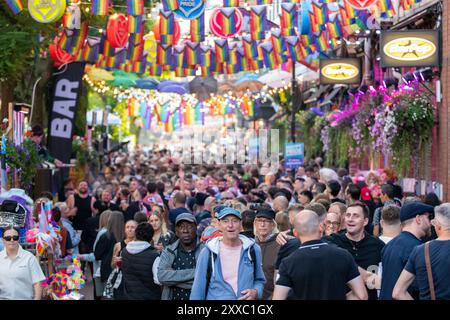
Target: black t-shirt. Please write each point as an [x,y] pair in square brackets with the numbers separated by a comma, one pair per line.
[367,252]
[103,206]
[285,251]
[318,271]
[440,266]
[84,211]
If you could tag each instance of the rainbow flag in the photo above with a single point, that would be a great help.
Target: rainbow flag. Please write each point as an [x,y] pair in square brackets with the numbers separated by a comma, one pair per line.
[231,3]
[164,54]
[192,54]
[178,57]
[294,48]
[229,20]
[138,66]
[166,27]
[222,50]
[135,24]
[334,29]
[250,47]
[263,2]
[307,39]
[135,52]
[232,68]
[106,48]
[16,6]
[136,39]
[170,5]
[258,22]
[198,29]
[288,19]
[154,70]
[269,57]
[322,42]
[387,8]
[79,38]
[278,41]
[408,4]
[135,7]
[320,14]
[208,56]
[65,40]
[101,61]
[348,13]
[165,113]
[100,7]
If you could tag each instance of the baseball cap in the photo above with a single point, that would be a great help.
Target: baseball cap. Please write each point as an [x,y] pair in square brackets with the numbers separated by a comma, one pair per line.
[265,213]
[185,217]
[229,211]
[410,210]
[365,194]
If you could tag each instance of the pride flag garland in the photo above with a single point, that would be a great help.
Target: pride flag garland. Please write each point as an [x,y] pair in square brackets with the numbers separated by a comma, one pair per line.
[230,3]
[170,5]
[166,27]
[192,54]
[135,7]
[258,22]
[178,57]
[135,24]
[222,50]
[198,29]
[288,19]
[16,6]
[228,20]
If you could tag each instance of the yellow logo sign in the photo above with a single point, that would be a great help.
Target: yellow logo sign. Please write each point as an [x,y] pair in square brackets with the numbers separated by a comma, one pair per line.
[46,11]
[340,71]
[410,49]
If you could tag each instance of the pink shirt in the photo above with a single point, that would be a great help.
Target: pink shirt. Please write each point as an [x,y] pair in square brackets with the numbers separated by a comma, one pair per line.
[230,257]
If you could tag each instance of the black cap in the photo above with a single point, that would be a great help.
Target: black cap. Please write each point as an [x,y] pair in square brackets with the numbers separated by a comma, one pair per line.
[410,210]
[265,213]
[200,198]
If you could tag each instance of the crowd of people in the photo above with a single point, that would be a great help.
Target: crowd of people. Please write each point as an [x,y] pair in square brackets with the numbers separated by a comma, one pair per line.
[150,227]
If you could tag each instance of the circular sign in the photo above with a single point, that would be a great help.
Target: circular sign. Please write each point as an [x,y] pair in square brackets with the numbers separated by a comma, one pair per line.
[177,31]
[409,49]
[190,9]
[217,23]
[361,4]
[46,11]
[117,30]
[340,71]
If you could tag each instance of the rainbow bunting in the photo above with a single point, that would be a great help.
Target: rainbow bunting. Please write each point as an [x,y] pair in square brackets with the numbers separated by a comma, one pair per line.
[278,41]
[229,20]
[138,66]
[135,24]
[307,39]
[348,13]
[269,57]
[136,39]
[164,54]
[166,26]
[322,42]
[101,61]
[258,22]
[135,52]
[154,70]
[198,29]
[294,48]
[178,57]
[334,29]
[100,7]
[16,6]
[208,56]
[288,19]
[106,48]
[231,3]
[320,14]
[222,50]
[135,7]
[79,38]
[170,5]
[264,2]
[79,55]
[72,17]
[250,47]
[387,8]
[192,54]
[65,39]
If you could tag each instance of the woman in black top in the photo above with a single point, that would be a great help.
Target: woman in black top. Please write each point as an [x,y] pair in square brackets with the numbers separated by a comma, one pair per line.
[105,245]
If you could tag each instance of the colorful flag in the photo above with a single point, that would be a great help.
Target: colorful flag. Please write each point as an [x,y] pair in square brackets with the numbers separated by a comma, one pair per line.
[79,38]
[263,2]
[250,47]
[135,7]
[334,29]
[166,26]
[222,50]
[198,29]
[278,41]
[178,57]
[164,54]
[269,55]
[387,8]
[16,6]
[170,5]
[154,70]
[322,42]
[231,3]
[135,24]
[208,56]
[320,14]
[105,47]
[135,52]
[258,22]
[100,7]
[288,19]
[295,48]
[192,54]
[229,20]
[65,39]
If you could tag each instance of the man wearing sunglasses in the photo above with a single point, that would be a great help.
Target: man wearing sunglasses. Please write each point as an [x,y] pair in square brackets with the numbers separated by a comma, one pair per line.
[22,269]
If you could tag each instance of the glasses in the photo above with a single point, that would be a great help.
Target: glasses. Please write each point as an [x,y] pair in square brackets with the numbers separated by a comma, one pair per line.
[11,238]
[333,223]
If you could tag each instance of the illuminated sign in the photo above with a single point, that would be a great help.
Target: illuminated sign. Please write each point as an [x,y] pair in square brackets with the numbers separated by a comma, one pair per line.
[340,71]
[409,49]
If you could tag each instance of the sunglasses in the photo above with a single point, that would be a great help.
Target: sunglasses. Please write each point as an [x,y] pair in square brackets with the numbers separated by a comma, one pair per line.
[9,238]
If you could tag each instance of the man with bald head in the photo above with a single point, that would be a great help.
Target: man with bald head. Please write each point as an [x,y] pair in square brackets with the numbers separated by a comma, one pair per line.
[317,271]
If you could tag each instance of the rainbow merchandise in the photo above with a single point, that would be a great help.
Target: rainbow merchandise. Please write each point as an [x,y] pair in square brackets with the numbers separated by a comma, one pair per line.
[68,281]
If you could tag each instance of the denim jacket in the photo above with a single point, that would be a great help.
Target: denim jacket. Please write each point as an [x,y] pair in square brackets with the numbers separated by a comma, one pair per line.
[219,289]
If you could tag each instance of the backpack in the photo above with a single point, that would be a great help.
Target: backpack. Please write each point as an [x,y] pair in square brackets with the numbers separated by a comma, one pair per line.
[213,257]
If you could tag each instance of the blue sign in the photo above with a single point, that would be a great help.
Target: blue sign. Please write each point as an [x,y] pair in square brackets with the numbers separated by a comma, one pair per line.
[190,9]
[294,154]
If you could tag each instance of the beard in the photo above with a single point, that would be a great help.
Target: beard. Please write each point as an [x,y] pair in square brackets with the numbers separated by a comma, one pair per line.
[83,191]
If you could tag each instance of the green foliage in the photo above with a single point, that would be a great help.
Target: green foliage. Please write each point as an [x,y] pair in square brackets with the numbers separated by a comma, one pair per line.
[340,141]
[310,128]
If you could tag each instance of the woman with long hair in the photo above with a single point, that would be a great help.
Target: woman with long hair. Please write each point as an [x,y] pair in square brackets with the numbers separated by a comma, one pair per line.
[162,236]
[130,235]
[105,245]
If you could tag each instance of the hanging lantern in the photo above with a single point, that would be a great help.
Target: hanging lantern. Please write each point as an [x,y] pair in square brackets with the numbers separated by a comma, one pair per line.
[117,30]
[157,33]
[226,22]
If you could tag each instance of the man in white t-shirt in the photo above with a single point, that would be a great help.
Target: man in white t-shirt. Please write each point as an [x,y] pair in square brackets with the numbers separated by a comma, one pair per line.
[390,223]
[20,273]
